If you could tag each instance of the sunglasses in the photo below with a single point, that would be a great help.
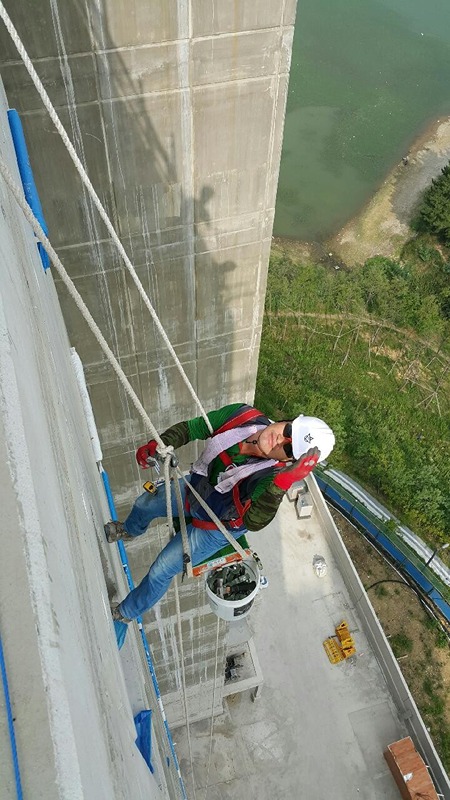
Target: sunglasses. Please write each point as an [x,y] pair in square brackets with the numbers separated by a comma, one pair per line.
[287,434]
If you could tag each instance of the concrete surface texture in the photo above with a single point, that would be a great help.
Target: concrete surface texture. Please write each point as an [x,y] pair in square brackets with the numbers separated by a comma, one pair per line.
[73,715]
[317,730]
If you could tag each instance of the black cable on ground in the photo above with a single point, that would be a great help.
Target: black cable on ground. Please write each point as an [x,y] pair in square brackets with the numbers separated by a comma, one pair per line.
[420,596]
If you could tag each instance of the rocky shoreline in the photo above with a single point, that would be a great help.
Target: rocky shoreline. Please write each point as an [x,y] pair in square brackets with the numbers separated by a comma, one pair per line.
[383,225]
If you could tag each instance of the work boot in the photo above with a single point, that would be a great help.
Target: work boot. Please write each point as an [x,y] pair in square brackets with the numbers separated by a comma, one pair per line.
[117,614]
[115,531]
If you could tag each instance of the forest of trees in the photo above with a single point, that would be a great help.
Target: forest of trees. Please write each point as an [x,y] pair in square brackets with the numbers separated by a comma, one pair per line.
[367,349]
[434,214]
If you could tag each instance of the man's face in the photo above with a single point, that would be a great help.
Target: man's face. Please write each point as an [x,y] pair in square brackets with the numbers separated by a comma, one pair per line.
[271,441]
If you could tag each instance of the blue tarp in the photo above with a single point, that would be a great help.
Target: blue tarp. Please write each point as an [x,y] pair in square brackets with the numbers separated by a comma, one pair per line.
[143,722]
[26,175]
[121,632]
[385,544]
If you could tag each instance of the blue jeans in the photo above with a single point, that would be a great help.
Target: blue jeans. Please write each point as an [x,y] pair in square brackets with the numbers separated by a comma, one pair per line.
[204,543]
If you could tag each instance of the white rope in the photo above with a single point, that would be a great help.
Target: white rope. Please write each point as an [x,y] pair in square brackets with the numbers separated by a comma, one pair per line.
[96,200]
[71,287]
[187,565]
[164,450]
[19,197]
[211,729]
[215,519]
[171,480]
[166,470]
[183,682]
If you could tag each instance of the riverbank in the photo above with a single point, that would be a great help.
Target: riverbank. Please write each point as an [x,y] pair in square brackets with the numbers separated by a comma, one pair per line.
[383,225]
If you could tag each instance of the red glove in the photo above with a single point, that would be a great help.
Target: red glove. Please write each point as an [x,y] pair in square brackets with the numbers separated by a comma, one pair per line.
[298,470]
[145,452]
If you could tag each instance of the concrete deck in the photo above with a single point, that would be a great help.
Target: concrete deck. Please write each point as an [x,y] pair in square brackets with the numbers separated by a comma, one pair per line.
[318,730]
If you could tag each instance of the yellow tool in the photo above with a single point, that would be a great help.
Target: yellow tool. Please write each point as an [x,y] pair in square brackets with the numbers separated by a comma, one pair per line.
[333,650]
[342,631]
[150,487]
[344,648]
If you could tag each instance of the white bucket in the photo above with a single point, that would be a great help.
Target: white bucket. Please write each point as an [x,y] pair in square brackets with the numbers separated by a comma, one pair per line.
[234,609]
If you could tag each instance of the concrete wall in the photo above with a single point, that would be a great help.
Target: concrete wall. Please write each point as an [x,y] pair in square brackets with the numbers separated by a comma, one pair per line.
[73,714]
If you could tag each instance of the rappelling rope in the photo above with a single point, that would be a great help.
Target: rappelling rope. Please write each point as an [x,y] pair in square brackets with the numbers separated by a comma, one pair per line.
[183,683]
[170,478]
[40,233]
[188,566]
[84,177]
[166,451]
[211,726]
[218,523]
[79,302]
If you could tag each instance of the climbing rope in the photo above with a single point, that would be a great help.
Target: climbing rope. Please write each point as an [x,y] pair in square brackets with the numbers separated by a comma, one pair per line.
[69,284]
[217,522]
[96,200]
[211,726]
[165,453]
[187,565]
[183,683]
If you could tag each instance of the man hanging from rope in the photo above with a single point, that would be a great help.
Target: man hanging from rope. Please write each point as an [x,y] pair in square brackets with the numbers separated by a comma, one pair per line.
[243,473]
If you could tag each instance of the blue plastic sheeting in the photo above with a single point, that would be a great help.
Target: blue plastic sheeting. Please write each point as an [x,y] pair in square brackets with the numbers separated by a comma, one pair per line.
[419,577]
[151,669]
[368,526]
[26,175]
[143,722]
[385,544]
[120,628]
[439,601]
[9,714]
[121,632]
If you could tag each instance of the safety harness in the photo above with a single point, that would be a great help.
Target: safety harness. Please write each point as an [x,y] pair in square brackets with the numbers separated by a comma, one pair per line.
[241,419]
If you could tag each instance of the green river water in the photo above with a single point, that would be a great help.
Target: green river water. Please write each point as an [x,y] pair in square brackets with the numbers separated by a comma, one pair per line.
[367,78]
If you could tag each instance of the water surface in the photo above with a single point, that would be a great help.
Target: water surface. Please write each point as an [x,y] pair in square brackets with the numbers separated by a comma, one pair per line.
[367,78]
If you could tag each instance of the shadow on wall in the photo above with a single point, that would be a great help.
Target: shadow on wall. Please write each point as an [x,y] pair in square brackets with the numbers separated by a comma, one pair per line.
[130,124]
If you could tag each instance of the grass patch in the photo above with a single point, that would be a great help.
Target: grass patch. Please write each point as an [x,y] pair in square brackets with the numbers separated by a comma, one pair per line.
[381,591]
[401,644]
[440,639]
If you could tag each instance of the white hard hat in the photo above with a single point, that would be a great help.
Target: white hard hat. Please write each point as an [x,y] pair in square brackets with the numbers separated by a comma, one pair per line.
[311,432]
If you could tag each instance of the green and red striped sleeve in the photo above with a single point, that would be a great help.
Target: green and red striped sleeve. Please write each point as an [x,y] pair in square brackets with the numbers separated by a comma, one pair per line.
[192,429]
